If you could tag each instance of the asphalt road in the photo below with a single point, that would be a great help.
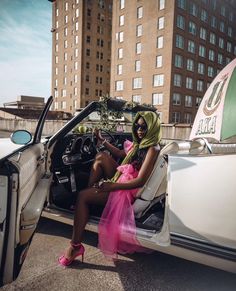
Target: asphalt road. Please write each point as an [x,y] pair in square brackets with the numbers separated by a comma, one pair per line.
[154,271]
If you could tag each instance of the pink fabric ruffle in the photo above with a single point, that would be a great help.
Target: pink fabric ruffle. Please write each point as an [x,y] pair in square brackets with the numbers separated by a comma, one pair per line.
[117,229]
[127,146]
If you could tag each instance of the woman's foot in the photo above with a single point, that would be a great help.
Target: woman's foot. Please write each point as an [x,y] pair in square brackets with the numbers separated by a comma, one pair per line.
[74,251]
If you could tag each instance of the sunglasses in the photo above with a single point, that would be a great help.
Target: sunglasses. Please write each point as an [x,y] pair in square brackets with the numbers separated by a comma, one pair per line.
[143,127]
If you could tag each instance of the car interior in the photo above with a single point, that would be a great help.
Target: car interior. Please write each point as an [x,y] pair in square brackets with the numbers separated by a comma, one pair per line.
[71,161]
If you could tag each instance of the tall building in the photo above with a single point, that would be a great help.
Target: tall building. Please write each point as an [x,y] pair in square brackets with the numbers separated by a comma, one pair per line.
[167,52]
[81,47]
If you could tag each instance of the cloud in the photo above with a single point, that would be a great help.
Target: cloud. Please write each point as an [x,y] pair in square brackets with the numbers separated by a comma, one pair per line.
[25,49]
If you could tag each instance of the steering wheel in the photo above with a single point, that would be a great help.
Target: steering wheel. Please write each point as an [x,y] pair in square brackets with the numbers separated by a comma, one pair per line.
[93,138]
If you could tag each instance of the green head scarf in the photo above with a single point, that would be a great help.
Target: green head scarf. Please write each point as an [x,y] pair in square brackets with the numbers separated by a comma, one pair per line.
[151,138]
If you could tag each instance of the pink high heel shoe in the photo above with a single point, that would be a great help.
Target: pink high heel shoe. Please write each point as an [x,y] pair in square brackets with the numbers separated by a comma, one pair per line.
[80,252]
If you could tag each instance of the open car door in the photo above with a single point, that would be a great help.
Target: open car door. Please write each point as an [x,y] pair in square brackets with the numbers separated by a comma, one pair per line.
[23,189]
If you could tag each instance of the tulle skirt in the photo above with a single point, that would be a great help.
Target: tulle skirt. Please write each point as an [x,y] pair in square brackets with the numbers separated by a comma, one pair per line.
[117,229]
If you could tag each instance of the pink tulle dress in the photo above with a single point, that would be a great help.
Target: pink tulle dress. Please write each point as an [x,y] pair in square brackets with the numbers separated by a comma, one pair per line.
[117,229]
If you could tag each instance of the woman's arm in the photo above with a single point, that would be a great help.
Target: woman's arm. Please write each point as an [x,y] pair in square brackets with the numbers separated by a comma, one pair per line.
[142,177]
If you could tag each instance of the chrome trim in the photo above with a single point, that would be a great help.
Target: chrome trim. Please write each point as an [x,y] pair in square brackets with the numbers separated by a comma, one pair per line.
[203,246]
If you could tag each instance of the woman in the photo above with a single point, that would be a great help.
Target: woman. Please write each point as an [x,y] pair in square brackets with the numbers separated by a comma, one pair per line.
[136,167]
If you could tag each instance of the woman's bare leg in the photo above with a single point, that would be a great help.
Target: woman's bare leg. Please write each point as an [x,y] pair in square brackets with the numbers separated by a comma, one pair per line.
[86,198]
[104,166]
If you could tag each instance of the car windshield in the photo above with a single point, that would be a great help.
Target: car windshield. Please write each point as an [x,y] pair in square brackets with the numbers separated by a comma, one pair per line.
[112,121]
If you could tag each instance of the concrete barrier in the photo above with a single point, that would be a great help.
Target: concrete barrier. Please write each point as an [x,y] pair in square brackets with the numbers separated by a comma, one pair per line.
[169,131]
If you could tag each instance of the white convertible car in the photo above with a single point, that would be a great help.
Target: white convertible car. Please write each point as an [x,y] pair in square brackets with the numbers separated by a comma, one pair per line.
[186,208]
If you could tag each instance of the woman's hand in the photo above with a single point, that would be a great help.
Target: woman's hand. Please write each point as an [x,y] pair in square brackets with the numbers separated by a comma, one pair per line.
[106,186]
[98,135]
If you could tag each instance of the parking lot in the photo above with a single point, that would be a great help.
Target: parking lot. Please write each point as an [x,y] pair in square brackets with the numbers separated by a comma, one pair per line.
[153,271]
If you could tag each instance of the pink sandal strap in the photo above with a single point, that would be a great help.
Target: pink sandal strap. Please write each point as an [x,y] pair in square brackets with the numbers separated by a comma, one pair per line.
[75,245]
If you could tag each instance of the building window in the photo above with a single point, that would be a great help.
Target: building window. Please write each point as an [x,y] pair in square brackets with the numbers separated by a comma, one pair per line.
[66,19]
[160,41]
[203,33]
[159,61]
[192,28]
[137,66]
[75,78]
[176,99]
[230,31]
[139,12]
[65,68]
[88,12]
[121,36]
[222,26]
[88,39]
[222,11]
[76,65]
[198,101]
[120,53]
[190,65]
[220,59]
[87,52]
[75,91]
[189,83]
[55,105]
[119,85]
[88,25]
[76,39]
[231,16]
[203,15]
[56,59]
[211,55]
[210,72]
[139,30]
[191,46]
[161,4]
[179,42]
[56,71]
[187,117]
[212,38]
[87,78]
[57,24]
[77,26]
[201,68]
[178,61]
[63,105]
[57,12]
[213,22]
[87,65]
[77,12]
[199,85]
[86,91]
[227,60]
[177,80]
[57,35]
[65,44]
[138,48]
[202,51]
[181,4]
[193,9]
[161,22]
[175,117]
[229,47]
[221,42]
[137,98]
[66,6]
[157,99]
[122,4]
[119,69]
[137,83]
[63,93]
[188,101]
[180,22]
[158,80]
[121,20]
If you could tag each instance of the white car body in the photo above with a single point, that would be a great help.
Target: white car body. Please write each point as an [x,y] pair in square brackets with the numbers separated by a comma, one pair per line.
[186,208]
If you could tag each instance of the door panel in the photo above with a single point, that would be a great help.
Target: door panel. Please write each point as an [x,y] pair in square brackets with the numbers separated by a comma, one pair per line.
[202,198]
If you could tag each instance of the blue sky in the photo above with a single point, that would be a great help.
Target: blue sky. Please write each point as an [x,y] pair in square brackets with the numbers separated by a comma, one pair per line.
[25,48]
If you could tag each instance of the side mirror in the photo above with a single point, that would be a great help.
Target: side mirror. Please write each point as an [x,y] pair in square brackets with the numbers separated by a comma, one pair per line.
[21,137]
